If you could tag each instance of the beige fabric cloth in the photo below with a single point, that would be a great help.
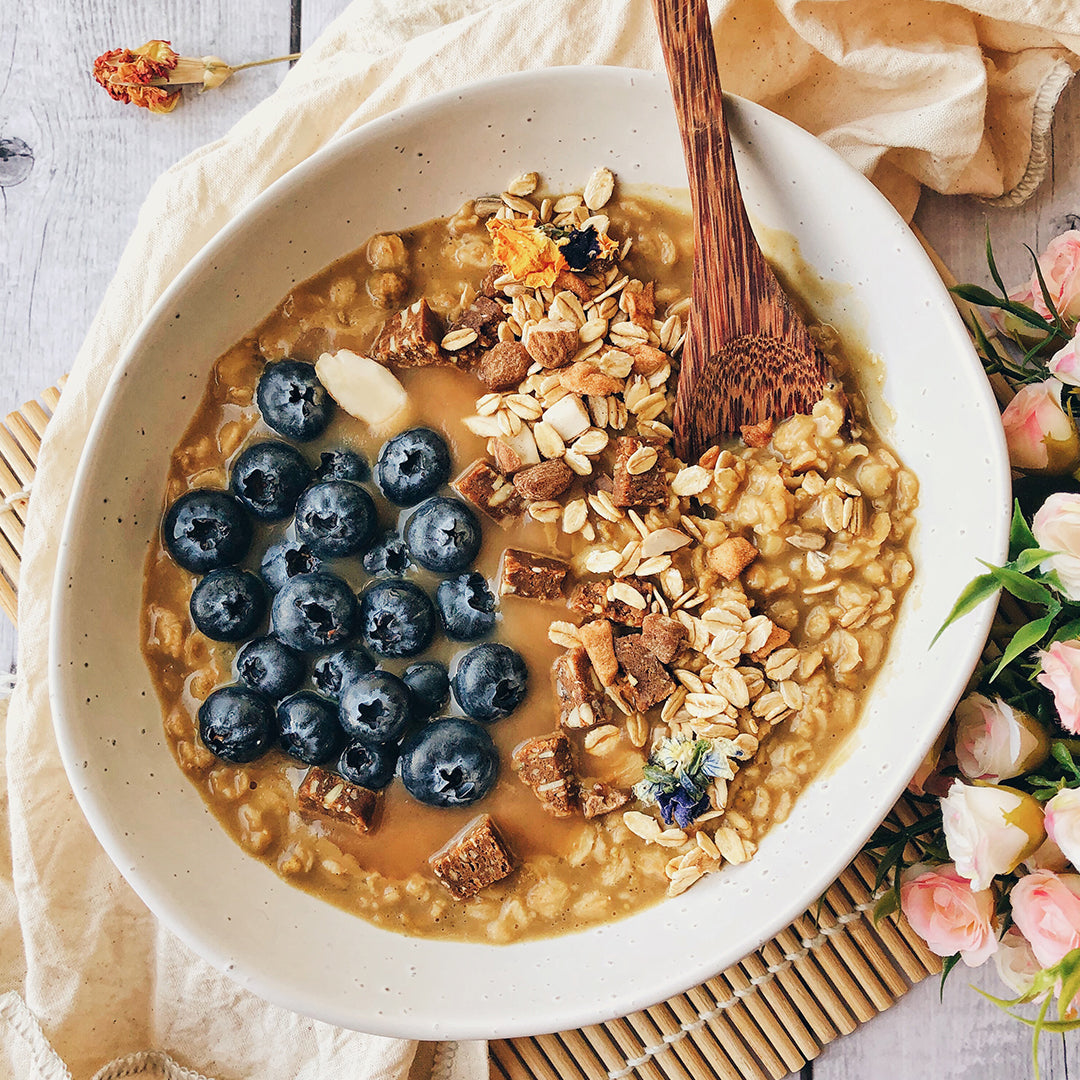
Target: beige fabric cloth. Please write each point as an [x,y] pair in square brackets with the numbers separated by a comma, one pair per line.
[902,89]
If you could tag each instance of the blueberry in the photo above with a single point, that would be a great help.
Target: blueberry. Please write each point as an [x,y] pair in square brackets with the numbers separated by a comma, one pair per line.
[293,401]
[443,535]
[490,682]
[466,607]
[429,684]
[237,724]
[286,559]
[343,465]
[388,556]
[268,477]
[205,530]
[450,762]
[412,466]
[396,618]
[313,612]
[336,517]
[375,707]
[370,765]
[334,672]
[228,604]
[308,728]
[270,667]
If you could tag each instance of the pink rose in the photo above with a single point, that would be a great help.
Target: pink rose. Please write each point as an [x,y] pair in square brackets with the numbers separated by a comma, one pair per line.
[1060,266]
[947,913]
[989,830]
[1046,908]
[1061,815]
[1056,526]
[1040,435]
[1061,676]
[994,741]
[1065,363]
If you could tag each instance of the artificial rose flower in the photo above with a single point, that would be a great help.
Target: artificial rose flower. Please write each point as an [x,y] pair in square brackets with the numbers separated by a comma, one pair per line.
[1060,266]
[947,913]
[1046,909]
[1061,815]
[1065,363]
[927,779]
[1015,962]
[1056,526]
[1061,676]
[1040,435]
[994,741]
[989,830]
[1047,856]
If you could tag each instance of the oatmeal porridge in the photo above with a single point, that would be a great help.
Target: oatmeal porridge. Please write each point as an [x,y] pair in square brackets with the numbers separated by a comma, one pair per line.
[442,630]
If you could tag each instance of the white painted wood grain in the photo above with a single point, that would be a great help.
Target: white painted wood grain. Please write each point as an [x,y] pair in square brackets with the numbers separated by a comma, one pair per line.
[62,230]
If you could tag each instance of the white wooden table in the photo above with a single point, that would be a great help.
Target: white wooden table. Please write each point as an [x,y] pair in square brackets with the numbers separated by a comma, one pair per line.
[74,167]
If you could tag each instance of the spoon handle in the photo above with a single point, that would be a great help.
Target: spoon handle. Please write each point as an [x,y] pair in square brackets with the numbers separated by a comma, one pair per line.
[729,269]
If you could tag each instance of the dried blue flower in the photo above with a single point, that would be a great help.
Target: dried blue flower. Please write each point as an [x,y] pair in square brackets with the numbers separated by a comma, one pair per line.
[677,776]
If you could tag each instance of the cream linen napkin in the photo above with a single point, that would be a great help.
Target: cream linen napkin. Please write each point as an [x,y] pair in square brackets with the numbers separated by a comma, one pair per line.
[900,89]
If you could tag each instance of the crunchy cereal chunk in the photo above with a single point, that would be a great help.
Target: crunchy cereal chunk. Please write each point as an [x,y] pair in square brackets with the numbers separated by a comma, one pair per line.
[640,303]
[757,435]
[591,598]
[568,281]
[598,640]
[532,576]
[474,859]
[548,480]
[600,798]
[546,764]
[577,688]
[586,378]
[648,680]
[504,365]
[482,316]
[411,339]
[663,637]
[487,284]
[648,360]
[778,636]
[648,488]
[487,489]
[552,342]
[324,794]
[731,557]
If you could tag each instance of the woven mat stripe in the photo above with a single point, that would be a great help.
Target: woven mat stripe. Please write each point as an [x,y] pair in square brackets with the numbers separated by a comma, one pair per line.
[762,1018]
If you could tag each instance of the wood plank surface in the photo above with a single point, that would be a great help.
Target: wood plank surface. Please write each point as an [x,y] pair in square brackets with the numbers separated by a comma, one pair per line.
[65,217]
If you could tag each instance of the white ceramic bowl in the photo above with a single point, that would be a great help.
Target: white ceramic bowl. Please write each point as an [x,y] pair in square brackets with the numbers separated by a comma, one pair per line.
[411,166]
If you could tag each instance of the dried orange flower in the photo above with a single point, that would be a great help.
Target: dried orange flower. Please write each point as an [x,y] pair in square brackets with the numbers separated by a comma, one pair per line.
[528,253]
[127,75]
[151,75]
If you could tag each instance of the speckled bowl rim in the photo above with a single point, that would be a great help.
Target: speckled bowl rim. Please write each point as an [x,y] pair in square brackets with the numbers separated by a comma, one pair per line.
[339,968]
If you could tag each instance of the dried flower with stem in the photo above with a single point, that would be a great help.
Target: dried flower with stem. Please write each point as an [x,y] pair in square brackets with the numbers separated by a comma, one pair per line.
[152,75]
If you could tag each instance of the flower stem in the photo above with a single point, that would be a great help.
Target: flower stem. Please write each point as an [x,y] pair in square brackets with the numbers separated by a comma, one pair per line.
[260,63]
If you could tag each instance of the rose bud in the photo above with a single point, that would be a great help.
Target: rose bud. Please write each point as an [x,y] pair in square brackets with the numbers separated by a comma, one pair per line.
[947,913]
[1015,962]
[1061,676]
[1040,435]
[995,742]
[1056,526]
[1061,816]
[1065,363]
[989,830]
[1046,909]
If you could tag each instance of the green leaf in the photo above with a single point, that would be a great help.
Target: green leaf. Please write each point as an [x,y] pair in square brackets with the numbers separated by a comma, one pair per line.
[975,592]
[1020,535]
[993,266]
[1067,631]
[1028,560]
[1022,587]
[947,965]
[885,906]
[1048,300]
[1063,756]
[1024,638]
[973,294]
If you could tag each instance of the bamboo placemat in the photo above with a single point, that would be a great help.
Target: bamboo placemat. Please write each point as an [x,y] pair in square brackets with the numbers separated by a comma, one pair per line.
[832,969]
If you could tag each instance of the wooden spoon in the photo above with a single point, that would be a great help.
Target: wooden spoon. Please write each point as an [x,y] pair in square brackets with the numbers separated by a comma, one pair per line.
[748,357]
